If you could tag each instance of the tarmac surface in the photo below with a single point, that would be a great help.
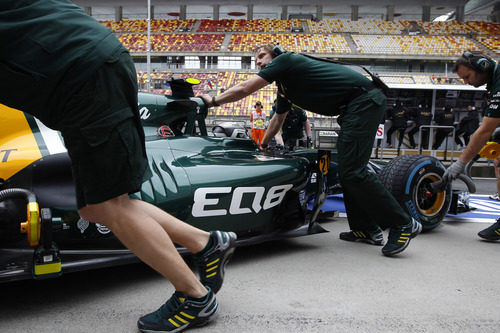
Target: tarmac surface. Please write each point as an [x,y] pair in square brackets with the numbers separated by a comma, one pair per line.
[446,281]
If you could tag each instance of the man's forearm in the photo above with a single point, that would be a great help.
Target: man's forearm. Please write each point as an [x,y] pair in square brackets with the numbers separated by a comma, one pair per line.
[241,90]
[273,128]
[476,143]
[233,94]
[279,139]
[308,128]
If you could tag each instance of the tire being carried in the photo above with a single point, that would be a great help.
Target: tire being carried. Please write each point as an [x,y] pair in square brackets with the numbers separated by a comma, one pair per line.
[408,178]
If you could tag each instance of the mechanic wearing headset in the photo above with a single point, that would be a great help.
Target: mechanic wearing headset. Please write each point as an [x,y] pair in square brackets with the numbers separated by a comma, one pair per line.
[477,69]
[332,89]
[68,70]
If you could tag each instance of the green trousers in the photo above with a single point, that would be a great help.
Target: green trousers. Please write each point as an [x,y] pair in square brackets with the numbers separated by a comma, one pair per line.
[368,203]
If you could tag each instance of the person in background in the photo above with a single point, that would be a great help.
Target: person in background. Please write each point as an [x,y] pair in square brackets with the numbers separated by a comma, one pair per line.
[295,124]
[71,72]
[258,123]
[329,88]
[477,69]
[445,118]
[399,116]
[422,116]
[467,126]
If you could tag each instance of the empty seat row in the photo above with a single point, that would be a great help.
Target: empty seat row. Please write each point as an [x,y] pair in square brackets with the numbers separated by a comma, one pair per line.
[318,43]
[364,26]
[242,25]
[493,43]
[142,25]
[173,42]
[370,26]
[415,45]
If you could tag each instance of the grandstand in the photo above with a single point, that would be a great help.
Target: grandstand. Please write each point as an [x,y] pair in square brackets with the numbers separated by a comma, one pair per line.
[339,38]
[410,52]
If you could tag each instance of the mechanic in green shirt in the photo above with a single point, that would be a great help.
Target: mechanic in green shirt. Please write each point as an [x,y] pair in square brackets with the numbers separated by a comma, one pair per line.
[332,89]
[65,68]
[295,124]
[477,69]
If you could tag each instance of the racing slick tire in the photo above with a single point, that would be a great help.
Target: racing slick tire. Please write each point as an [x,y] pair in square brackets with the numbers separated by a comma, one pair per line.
[408,179]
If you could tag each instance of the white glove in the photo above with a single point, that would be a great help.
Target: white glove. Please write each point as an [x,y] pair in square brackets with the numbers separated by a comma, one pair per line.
[454,170]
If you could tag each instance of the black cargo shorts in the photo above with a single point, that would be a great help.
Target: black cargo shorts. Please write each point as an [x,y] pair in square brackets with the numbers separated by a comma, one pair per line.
[106,142]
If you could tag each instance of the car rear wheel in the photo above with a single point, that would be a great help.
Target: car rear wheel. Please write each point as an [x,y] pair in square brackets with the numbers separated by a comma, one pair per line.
[408,178]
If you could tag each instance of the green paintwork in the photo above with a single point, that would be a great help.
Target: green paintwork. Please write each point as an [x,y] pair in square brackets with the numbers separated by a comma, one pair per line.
[202,162]
[246,182]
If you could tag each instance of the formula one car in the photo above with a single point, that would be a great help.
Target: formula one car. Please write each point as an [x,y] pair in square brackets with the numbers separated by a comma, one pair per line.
[220,181]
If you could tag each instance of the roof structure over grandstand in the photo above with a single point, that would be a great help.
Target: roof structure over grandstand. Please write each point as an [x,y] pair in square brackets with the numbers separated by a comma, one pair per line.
[393,9]
[380,3]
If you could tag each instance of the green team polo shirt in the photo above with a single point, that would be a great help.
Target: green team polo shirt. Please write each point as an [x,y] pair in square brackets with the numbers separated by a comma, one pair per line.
[49,49]
[493,87]
[312,84]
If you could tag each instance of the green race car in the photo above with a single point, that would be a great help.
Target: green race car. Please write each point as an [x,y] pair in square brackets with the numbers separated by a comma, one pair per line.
[214,179]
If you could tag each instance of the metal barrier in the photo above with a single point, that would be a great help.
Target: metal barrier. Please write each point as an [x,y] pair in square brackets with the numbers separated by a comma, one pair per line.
[431,136]
[325,138]
[217,121]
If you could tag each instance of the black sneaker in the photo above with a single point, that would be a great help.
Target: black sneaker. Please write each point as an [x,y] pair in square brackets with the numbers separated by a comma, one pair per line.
[180,313]
[492,232]
[399,238]
[211,263]
[376,237]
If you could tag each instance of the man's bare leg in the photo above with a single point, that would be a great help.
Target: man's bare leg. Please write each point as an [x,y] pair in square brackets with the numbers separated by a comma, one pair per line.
[181,233]
[135,227]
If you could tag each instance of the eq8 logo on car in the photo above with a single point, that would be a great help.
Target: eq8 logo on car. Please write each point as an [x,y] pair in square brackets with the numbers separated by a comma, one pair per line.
[207,200]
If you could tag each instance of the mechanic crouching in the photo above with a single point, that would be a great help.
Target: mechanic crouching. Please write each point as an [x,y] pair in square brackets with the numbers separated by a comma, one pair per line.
[477,69]
[329,88]
[68,70]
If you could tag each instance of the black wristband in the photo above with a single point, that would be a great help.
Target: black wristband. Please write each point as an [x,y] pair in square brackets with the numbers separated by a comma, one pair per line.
[264,145]
[214,103]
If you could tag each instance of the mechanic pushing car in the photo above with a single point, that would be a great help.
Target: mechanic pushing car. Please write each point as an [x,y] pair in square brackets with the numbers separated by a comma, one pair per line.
[329,88]
[65,68]
[477,69]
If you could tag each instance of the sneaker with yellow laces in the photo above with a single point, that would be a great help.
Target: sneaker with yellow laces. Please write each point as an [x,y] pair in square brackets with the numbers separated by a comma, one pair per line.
[374,237]
[399,237]
[179,313]
[491,233]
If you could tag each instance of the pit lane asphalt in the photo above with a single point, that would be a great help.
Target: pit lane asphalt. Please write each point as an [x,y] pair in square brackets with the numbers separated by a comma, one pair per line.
[446,281]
